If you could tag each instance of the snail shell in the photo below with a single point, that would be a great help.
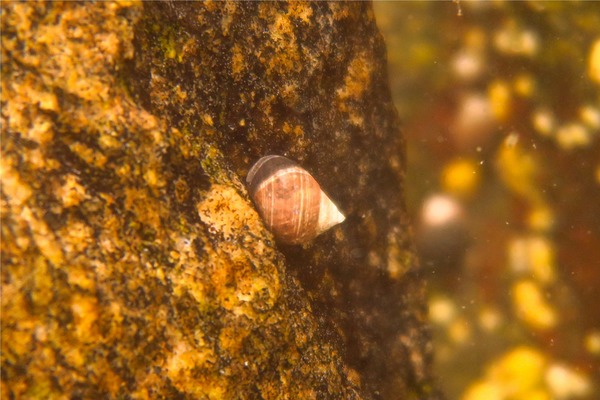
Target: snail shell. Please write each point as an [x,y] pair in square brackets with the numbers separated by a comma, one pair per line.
[290,200]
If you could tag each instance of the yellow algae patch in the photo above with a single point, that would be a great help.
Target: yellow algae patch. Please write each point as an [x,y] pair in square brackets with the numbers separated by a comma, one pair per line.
[594,62]
[227,213]
[250,291]
[27,97]
[181,365]
[519,374]
[147,122]
[46,101]
[519,169]
[514,39]
[189,276]
[231,338]
[88,155]
[82,277]
[533,256]
[108,43]
[592,342]
[296,130]
[111,381]
[143,206]
[541,218]
[71,192]
[36,159]
[186,356]
[226,276]
[286,55]
[106,141]
[153,178]
[395,269]
[76,236]
[520,370]
[42,287]
[12,185]
[573,135]
[208,120]
[301,10]
[85,315]
[237,61]
[239,285]
[566,382]
[41,130]
[524,85]
[460,330]
[17,343]
[483,390]
[357,79]
[543,121]
[500,99]
[281,30]
[442,311]
[398,259]
[590,116]
[44,238]
[74,356]
[73,59]
[542,259]
[192,285]
[460,177]
[530,305]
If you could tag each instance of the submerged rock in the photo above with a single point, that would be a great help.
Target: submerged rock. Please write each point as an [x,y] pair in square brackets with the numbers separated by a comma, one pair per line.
[134,263]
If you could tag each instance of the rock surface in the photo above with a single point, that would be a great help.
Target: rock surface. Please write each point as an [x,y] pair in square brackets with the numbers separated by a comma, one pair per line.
[134,263]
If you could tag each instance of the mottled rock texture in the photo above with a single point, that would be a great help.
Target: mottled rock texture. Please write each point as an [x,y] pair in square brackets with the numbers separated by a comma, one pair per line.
[133,262]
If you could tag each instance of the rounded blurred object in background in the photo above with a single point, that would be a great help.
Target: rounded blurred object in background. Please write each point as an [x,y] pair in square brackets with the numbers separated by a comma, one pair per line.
[460,177]
[441,233]
[474,121]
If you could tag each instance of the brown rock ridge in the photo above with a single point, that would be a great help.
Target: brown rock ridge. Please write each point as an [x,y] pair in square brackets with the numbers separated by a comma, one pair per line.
[134,264]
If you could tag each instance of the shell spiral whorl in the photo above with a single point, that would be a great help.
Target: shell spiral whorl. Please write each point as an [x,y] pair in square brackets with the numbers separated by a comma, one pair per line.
[290,200]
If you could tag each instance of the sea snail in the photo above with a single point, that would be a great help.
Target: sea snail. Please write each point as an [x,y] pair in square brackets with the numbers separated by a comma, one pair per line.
[290,200]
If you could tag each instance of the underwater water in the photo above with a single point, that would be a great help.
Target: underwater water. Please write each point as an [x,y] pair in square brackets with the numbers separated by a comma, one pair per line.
[500,103]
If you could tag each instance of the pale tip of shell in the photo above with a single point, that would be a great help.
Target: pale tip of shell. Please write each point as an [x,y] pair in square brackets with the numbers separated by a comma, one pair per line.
[329,215]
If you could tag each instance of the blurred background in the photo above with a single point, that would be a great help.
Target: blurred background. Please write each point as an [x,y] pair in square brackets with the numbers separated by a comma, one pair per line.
[500,103]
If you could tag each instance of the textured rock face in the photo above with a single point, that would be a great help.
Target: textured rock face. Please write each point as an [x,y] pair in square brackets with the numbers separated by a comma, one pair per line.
[133,262]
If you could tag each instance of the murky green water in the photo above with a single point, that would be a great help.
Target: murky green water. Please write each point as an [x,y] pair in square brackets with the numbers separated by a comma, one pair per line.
[501,111]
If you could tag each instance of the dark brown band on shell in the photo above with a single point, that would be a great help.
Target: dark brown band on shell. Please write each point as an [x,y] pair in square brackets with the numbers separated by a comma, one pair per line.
[264,168]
